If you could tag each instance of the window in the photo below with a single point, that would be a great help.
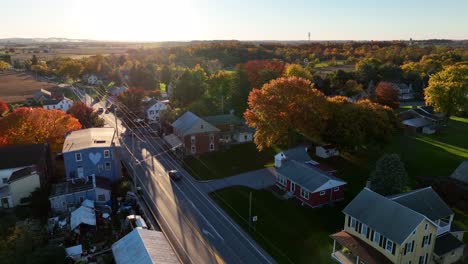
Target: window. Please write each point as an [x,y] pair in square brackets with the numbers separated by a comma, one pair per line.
[193,149]
[336,189]
[423,259]
[426,240]
[192,139]
[108,166]
[389,246]
[78,157]
[63,204]
[304,194]
[157,111]
[211,138]
[425,227]
[292,187]
[5,180]
[212,147]
[282,180]
[376,237]
[353,222]
[409,247]
[106,153]
[364,230]
[151,112]
[81,199]
[100,168]
[101,197]
[245,137]
[322,193]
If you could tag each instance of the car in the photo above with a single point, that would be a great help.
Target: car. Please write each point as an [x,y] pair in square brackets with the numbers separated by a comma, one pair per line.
[174,175]
[100,110]
[107,111]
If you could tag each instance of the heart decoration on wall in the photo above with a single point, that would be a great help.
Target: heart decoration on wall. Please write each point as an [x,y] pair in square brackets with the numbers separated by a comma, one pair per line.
[95,157]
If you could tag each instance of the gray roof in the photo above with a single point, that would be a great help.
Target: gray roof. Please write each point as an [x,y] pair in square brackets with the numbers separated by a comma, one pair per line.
[416,122]
[387,217]
[426,202]
[446,243]
[461,172]
[189,123]
[298,153]
[305,175]
[143,246]
[89,138]
[24,172]
[55,101]
[222,120]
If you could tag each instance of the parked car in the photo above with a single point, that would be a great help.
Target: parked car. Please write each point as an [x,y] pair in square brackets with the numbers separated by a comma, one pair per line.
[174,175]
[100,110]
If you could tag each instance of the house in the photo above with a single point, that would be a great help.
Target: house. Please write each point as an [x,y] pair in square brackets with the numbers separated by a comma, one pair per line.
[233,129]
[461,172]
[24,156]
[196,135]
[326,151]
[19,187]
[92,151]
[61,103]
[153,109]
[421,119]
[413,227]
[405,92]
[296,175]
[143,246]
[41,95]
[92,79]
[70,194]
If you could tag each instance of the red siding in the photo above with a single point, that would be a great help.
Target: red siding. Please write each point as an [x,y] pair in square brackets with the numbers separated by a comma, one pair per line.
[202,143]
[315,199]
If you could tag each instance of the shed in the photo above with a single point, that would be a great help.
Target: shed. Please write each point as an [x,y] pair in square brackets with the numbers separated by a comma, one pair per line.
[83,215]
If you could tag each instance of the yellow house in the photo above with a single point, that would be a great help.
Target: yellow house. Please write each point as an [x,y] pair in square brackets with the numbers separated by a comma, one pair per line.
[409,228]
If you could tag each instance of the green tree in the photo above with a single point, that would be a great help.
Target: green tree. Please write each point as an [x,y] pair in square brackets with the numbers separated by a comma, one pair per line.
[389,176]
[190,87]
[297,70]
[240,89]
[367,70]
[71,69]
[448,90]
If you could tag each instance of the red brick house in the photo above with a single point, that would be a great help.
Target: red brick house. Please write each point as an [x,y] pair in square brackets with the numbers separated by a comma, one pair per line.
[195,134]
[297,175]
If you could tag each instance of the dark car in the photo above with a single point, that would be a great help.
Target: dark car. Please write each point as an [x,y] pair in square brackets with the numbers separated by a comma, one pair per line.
[100,110]
[175,175]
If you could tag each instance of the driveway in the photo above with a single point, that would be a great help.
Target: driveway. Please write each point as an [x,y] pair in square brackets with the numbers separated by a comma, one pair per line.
[258,179]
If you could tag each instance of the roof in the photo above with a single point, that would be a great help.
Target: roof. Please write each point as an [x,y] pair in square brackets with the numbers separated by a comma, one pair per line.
[89,138]
[40,93]
[55,101]
[298,153]
[22,155]
[307,176]
[154,101]
[446,243]
[75,250]
[142,246]
[78,186]
[426,202]
[82,215]
[222,120]
[22,173]
[173,141]
[416,122]
[189,123]
[461,172]
[378,212]
[427,112]
[360,248]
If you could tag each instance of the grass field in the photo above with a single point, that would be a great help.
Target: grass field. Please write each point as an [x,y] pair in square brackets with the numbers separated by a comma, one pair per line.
[294,234]
[17,87]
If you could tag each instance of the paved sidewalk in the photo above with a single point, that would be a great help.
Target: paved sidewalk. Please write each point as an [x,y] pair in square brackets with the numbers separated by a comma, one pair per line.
[258,179]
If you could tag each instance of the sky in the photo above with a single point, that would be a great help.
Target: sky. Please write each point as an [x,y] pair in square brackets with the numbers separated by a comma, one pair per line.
[181,20]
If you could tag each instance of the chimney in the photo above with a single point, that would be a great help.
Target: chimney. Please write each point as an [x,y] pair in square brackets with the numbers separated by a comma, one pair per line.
[368,184]
[279,159]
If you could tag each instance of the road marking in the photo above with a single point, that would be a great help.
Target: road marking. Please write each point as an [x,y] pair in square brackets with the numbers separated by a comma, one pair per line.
[206,220]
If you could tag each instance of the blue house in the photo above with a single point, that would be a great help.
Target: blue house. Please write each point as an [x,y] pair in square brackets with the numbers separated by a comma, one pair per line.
[92,151]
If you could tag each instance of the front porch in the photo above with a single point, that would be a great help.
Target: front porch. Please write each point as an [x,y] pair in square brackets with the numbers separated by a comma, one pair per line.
[355,251]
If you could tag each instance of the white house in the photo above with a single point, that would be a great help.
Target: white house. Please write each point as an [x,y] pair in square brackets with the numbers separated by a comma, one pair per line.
[93,80]
[19,185]
[153,109]
[63,104]
[326,151]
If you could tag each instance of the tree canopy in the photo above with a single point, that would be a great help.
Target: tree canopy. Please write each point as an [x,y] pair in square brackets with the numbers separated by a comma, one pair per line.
[386,94]
[389,176]
[86,115]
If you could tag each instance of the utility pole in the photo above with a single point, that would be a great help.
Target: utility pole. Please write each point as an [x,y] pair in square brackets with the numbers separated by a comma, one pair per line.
[116,124]
[250,210]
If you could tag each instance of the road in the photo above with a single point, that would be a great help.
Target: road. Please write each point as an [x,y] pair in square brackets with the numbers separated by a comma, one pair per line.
[199,230]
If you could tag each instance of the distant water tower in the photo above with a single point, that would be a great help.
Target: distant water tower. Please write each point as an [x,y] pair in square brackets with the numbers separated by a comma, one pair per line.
[308,34]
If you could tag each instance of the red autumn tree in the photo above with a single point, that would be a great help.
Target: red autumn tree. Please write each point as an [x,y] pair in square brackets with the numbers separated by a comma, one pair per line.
[284,106]
[3,108]
[37,125]
[386,94]
[260,72]
[86,115]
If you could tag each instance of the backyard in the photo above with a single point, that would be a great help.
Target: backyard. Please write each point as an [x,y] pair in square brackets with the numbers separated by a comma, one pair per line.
[295,234]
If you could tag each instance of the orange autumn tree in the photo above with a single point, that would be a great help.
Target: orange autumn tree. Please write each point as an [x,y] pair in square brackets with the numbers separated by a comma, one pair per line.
[285,106]
[37,125]
[3,108]
[386,94]
[260,72]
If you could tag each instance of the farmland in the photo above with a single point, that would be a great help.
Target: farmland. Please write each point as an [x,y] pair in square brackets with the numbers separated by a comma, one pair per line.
[17,87]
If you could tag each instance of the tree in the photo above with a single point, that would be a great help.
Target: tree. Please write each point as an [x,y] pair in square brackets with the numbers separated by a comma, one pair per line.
[390,72]
[190,87]
[34,60]
[386,94]
[165,75]
[3,108]
[40,68]
[389,176]
[218,91]
[86,115]
[4,66]
[367,70]
[448,90]
[352,88]
[297,70]
[240,89]
[132,99]
[282,107]
[262,71]
[71,69]
[37,125]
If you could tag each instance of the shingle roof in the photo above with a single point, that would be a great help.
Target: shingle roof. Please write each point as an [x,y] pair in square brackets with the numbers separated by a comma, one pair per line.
[143,246]
[388,217]
[189,123]
[24,172]
[416,122]
[298,153]
[222,120]
[446,243]
[305,175]
[55,101]
[89,138]
[424,201]
[22,155]
[461,172]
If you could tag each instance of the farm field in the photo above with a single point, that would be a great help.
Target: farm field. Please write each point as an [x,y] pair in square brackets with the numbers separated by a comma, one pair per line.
[18,86]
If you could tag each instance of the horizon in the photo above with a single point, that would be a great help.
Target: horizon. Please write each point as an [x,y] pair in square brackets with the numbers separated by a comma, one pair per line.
[205,20]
